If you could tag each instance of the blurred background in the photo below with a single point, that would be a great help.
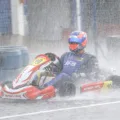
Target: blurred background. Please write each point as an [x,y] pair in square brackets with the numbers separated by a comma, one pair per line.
[44,26]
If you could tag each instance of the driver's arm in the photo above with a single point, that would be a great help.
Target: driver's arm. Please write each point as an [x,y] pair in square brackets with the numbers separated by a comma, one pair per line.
[92,68]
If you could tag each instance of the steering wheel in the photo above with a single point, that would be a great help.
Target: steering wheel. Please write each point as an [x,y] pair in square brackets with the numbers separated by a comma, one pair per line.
[55,59]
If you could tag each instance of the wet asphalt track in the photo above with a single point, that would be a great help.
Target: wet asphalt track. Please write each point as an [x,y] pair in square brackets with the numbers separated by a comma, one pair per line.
[79,108]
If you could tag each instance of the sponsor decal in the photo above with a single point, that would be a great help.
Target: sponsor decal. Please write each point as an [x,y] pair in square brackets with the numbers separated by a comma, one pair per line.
[91,88]
[71,63]
[39,61]
[14,96]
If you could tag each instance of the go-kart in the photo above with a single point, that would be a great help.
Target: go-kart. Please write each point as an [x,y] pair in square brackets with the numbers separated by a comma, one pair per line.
[23,87]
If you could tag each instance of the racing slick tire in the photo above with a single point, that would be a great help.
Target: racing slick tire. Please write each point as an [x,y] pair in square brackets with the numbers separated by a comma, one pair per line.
[115,81]
[67,89]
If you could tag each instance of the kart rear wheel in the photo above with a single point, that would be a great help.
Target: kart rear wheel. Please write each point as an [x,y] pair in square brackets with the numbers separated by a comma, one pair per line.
[115,79]
[67,89]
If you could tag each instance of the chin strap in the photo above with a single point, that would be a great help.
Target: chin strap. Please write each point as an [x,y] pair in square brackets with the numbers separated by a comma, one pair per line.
[79,51]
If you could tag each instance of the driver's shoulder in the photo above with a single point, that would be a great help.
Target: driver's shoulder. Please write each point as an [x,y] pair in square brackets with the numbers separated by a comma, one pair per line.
[89,55]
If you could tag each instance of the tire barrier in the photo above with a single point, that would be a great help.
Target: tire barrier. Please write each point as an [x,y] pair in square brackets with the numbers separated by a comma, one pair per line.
[25,56]
[12,61]
[13,57]
[9,75]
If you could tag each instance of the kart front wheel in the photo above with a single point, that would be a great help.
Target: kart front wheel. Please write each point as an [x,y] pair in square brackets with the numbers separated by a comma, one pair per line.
[67,89]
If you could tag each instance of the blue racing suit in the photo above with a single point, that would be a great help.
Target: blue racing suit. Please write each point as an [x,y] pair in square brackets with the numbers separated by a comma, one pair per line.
[74,66]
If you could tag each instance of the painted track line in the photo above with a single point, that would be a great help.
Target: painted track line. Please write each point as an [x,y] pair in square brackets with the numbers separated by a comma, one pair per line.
[58,110]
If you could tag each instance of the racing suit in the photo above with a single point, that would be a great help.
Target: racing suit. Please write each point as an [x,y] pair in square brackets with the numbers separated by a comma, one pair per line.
[76,66]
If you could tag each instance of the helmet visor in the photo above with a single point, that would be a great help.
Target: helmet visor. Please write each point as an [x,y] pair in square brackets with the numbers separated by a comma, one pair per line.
[73,46]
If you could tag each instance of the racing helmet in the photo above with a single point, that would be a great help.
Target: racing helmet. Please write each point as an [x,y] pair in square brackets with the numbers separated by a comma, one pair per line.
[77,41]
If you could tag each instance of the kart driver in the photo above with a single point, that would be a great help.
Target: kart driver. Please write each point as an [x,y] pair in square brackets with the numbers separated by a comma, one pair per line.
[76,64]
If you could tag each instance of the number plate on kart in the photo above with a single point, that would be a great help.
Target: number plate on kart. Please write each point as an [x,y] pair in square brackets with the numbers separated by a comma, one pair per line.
[39,60]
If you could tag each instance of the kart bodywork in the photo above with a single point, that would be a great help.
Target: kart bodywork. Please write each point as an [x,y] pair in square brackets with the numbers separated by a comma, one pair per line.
[22,87]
